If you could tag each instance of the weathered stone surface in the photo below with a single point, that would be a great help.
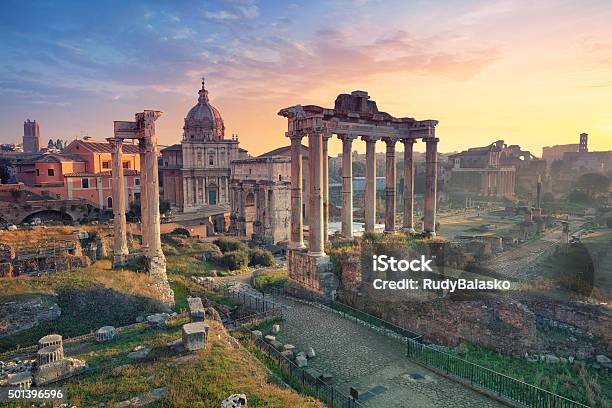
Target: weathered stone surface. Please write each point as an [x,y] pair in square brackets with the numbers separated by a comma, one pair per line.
[310,353]
[17,316]
[601,359]
[194,335]
[158,319]
[144,399]
[197,313]
[139,353]
[269,338]
[290,347]
[235,401]
[287,354]
[276,344]
[276,329]
[212,314]
[256,334]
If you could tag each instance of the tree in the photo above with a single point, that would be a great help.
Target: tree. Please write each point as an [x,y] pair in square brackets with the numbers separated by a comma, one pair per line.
[594,184]
[50,145]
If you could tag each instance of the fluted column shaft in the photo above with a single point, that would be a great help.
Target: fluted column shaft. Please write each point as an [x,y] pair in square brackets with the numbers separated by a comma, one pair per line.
[370,187]
[431,179]
[390,181]
[315,222]
[297,222]
[408,224]
[120,249]
[347,186]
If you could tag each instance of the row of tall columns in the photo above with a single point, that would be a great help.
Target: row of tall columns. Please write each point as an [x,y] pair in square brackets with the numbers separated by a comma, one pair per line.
[120,249]
[318,200]
[149,199]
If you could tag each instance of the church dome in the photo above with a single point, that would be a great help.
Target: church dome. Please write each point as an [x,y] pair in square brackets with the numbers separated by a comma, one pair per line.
[203,122]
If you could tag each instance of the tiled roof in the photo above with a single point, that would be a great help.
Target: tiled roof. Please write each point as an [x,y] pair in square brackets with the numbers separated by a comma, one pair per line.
[126,172]
[105,147]
[281,151]
[172,148]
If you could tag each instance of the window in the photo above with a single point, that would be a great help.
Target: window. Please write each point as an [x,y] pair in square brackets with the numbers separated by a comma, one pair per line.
[106,164]
[137,182]
[109,202]
[280,177]
[211,161]
[126,165]
[50,172]
[85,183]
[37,172]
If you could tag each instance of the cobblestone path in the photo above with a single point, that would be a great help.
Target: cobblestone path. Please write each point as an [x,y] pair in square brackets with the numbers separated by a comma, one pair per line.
[359,357]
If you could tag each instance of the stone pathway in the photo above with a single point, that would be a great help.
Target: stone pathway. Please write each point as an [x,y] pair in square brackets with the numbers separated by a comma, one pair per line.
[368,361]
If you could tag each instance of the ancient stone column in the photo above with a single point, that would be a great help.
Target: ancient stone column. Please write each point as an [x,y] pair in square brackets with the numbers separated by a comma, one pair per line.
[120,249]
[390,186]
[152,203]
[347,186]
[408,224]
[370,187]
[315,167]
[431,179]
[297,226]
[144,212]
[155,259]
[325,189]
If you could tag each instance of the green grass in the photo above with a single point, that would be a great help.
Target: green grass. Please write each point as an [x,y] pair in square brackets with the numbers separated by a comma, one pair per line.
[264,280]
[211,376]
[574,381]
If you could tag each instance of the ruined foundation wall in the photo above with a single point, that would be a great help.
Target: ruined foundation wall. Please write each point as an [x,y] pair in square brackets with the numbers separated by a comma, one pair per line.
[310,276]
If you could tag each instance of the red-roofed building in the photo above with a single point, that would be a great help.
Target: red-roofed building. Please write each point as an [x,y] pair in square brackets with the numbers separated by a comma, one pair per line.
[81,171]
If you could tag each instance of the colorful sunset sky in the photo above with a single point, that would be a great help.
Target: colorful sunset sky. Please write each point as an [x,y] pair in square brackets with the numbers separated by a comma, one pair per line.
[532,73]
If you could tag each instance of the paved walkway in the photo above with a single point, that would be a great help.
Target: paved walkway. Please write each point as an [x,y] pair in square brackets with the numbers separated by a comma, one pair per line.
[368,361]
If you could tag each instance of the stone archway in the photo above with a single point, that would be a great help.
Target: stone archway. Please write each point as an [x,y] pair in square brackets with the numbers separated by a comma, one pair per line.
[54,216]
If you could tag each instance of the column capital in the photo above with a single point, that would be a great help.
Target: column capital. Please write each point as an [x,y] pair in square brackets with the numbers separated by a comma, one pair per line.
[345,137]
[370,138]
[408,141]
[390,141]
[431,139]
[295,135]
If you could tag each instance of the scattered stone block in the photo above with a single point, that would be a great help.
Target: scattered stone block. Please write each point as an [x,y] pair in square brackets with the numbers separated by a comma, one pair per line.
[269,338]
[175,344]
[158,319]
[301,360]
[235,401]
[194,335]
[139,353]
[212,314]
[289,347]
[256,334]
[276,329]
[105,333]
[310,353]
[601,359]
[287,354]
[197,313]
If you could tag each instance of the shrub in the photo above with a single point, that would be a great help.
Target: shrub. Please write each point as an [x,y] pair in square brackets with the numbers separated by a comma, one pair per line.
[227,244]
[260,257]
[181,231]
[211,252]
[234,260]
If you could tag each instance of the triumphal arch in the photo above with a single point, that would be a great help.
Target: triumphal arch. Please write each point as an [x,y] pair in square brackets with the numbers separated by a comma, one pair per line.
[353,116]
